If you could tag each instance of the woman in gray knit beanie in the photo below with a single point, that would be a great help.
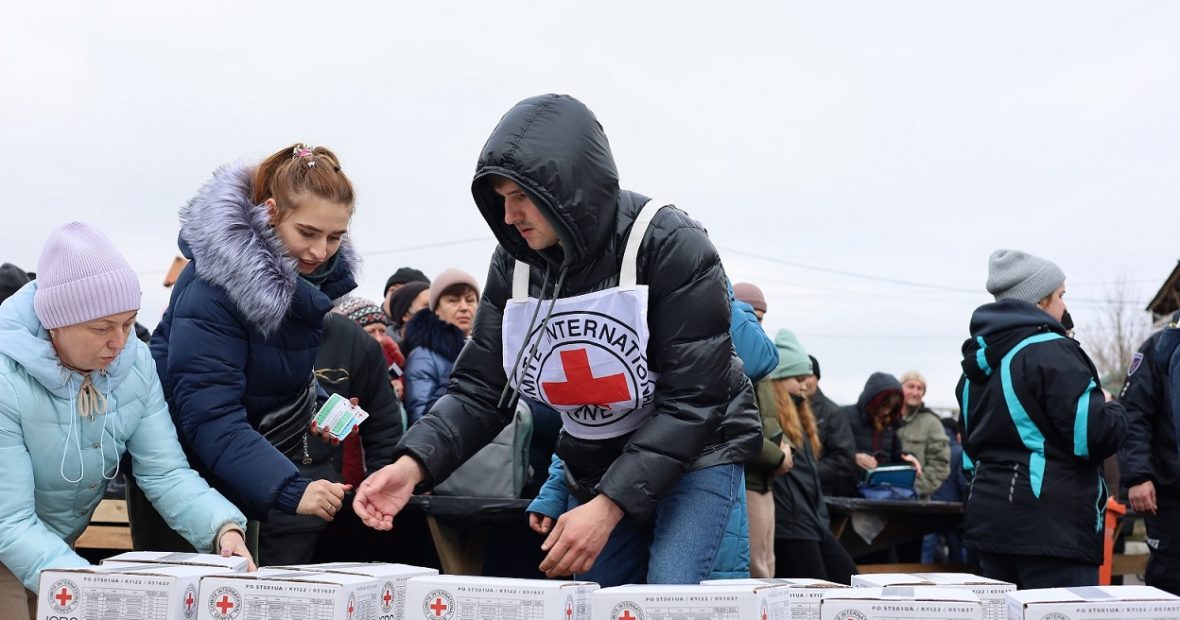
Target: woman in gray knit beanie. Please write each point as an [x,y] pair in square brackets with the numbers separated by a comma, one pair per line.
[1036,426]
[1012,274]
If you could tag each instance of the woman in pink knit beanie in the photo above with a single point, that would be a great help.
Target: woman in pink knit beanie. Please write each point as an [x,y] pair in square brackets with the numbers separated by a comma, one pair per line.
[77,392]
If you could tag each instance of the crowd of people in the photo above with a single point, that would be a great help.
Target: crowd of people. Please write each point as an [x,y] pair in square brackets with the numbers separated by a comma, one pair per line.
[686,432]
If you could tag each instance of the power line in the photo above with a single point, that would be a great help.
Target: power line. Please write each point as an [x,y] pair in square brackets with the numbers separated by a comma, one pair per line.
[429,246]
[910,283]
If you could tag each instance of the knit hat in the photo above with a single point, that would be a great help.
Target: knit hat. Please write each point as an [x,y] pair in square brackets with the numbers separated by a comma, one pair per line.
[446,280]
[1012,274]
[744,291]
[792,359]
[82,277]
[361,311]
[913,375]
[814,366]
[400,302]
[11,279]
[405,275]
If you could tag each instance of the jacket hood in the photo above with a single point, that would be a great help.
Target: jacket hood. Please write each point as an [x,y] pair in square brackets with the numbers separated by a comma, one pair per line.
[878,384]
[554,148]
[233,246]
[998,327]
[426,330]
[26,341]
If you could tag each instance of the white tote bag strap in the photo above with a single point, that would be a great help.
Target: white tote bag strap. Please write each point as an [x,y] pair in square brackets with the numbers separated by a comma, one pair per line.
[629,271]
[520,281]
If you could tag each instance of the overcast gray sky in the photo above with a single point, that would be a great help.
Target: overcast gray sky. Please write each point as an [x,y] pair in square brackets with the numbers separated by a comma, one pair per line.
[893,140]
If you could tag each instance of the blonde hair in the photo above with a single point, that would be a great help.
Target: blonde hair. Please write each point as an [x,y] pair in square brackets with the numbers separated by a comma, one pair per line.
[795,420]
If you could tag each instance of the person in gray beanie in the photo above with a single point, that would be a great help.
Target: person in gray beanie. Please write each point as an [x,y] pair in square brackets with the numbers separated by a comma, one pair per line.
[77,392]
[1036,426]
[1012,274]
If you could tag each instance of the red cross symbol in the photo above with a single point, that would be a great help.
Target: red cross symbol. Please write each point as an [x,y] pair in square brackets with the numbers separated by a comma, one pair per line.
[350,609]
[569,611]
[763,613]
[626,615]
[437,607]
[224,605]
[64,597]
[188,601]
[387,596]
[581,387]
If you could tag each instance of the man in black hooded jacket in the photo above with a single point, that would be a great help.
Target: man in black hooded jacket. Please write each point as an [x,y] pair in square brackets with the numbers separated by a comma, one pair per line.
[649,431]
[1036,427]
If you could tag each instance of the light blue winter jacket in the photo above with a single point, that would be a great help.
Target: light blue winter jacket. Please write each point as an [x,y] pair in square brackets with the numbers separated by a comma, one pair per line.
[55,464]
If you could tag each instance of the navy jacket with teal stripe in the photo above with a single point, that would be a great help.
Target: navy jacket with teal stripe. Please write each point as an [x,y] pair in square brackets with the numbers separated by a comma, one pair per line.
[1036,428]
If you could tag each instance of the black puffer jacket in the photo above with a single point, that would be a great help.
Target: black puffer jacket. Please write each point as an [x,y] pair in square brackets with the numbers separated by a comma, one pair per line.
[1037,427]
[554,148]
[837,461]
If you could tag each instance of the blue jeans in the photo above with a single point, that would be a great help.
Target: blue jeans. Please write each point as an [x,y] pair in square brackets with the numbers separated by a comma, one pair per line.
[687,540]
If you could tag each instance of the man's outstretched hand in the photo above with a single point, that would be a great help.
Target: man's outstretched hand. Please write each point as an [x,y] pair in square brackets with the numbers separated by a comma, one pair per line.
[579,536]
[382,495]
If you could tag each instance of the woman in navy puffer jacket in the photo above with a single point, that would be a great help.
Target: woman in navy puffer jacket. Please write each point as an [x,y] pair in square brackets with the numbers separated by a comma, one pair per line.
[242,329]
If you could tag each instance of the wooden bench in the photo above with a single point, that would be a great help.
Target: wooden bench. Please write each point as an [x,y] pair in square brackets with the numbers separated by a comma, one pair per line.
[108,528]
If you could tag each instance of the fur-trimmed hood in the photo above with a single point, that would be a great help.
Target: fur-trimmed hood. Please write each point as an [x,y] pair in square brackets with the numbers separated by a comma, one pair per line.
[426,330]
[232,246]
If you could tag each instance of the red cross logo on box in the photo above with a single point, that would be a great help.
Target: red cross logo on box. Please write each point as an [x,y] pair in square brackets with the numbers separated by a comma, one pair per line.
[352,606]
[626,610]
[387,597]
[190,602]
[225,604]
[438,605]
[63,596]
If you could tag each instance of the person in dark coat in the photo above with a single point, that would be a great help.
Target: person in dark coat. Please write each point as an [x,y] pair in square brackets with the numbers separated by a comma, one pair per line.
[803,542]
[12,278]
[953,489]
[351,363]
[658,416]
[1149,461]
[837,460]
[1036,426]
[236,347]
[874,420]
[404,303]
[434,337]
[400,278]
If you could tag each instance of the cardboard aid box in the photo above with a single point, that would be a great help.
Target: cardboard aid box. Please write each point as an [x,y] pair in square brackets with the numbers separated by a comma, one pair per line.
[990,591]
[390,601]
[272,594]
[120,590]
[901,603]
[232,563]
[803,595]
[460,597]
[1094,603]
[743,601]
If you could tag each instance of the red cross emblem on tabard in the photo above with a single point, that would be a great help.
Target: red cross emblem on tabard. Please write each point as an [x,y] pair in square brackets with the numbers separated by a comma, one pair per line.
[581,387]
